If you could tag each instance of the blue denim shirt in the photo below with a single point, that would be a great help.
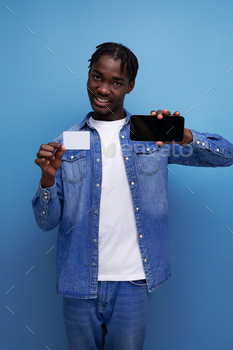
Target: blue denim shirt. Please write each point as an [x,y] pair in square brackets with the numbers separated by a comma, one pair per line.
[74,202]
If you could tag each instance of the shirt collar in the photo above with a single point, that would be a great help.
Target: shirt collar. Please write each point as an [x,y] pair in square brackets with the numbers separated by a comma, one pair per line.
[86,119]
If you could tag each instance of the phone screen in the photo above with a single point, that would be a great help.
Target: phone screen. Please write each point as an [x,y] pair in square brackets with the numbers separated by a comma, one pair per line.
[150,128]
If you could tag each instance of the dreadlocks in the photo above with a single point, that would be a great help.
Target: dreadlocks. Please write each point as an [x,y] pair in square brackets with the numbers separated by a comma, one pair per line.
[117,51]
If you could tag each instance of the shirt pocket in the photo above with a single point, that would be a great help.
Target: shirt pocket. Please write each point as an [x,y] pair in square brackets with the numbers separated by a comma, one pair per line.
[148,158]
[73,166]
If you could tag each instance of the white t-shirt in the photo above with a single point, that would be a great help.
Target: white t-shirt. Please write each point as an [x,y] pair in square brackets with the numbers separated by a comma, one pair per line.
[119,255]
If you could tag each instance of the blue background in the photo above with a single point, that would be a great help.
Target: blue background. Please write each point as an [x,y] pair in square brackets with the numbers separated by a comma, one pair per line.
[184,48]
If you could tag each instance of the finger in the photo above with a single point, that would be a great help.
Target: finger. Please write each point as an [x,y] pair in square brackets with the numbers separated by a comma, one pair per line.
[160,144]
[176,114]
[60,152]
[159,114]
[56,145]
[47,150]
[47,147]
[45,154]
[153,113]
[42,163]
[166,112]
[46,166]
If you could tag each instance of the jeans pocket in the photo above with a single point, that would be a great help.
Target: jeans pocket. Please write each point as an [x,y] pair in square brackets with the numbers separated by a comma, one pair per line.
[139,283]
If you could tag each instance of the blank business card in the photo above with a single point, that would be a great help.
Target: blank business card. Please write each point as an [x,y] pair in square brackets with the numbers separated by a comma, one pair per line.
[76,139]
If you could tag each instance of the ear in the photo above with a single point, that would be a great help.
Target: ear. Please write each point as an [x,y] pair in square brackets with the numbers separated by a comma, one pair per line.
[89,72]
[130,87]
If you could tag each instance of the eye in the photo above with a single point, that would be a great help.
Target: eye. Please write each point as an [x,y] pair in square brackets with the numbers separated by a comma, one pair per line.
[117,83]
[96,77]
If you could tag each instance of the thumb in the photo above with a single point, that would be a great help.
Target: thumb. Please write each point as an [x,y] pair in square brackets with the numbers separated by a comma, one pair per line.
[60,152]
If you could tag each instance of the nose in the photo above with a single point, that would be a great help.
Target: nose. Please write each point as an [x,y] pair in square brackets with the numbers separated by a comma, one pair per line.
[103,89]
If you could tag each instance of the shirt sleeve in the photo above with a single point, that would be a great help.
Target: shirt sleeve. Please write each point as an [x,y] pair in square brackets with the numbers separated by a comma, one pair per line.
[47,204]
[206,150]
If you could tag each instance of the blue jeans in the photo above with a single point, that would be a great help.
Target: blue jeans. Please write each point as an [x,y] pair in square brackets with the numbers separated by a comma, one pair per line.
[115,320]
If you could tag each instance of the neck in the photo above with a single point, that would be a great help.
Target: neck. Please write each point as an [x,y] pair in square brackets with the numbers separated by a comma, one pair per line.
[109,117]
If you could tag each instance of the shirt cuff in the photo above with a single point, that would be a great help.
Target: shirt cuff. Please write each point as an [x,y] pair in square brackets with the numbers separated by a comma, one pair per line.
[201,141]
[48,192]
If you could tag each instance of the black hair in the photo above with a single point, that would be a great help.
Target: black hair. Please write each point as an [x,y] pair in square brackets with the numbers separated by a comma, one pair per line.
[117,51]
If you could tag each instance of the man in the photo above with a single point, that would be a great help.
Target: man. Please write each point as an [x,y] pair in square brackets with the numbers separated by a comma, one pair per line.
[111,203]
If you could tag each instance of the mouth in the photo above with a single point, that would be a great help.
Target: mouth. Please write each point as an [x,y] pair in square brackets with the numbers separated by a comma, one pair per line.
[101,102]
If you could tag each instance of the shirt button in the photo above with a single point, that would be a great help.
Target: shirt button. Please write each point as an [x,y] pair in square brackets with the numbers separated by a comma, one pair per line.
[137,208]
[94,240]
[127,158]
[43,212]
[96,211]
[97,185]
[45,197]
[140,236]
[203,144]
[122,136]
[145,260]
[93,264]
[97,159]
[72,157]
[198,142]
[147,149]
[217,149]
[96,137]
[45,193]
[132,183]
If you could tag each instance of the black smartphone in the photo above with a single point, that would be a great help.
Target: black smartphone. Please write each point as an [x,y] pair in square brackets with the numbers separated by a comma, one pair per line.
[150,128]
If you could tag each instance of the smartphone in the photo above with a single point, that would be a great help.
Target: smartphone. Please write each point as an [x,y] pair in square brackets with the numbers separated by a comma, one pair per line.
[150,128]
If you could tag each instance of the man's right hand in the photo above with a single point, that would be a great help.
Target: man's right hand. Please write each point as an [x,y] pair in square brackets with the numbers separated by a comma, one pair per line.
[49,160]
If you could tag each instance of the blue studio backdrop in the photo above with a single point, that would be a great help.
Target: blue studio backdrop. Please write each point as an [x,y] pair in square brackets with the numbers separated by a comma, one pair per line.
[185,58]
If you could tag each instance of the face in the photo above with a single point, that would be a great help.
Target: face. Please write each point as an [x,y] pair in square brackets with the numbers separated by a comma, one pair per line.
[107,87]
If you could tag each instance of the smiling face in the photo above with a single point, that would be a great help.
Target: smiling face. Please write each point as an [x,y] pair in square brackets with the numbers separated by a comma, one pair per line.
[107,86]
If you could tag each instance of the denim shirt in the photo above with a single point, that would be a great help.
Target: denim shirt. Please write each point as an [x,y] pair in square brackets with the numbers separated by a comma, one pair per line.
[74,202]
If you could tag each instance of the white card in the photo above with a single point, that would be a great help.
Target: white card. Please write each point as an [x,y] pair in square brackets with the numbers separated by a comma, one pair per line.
[76,139]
